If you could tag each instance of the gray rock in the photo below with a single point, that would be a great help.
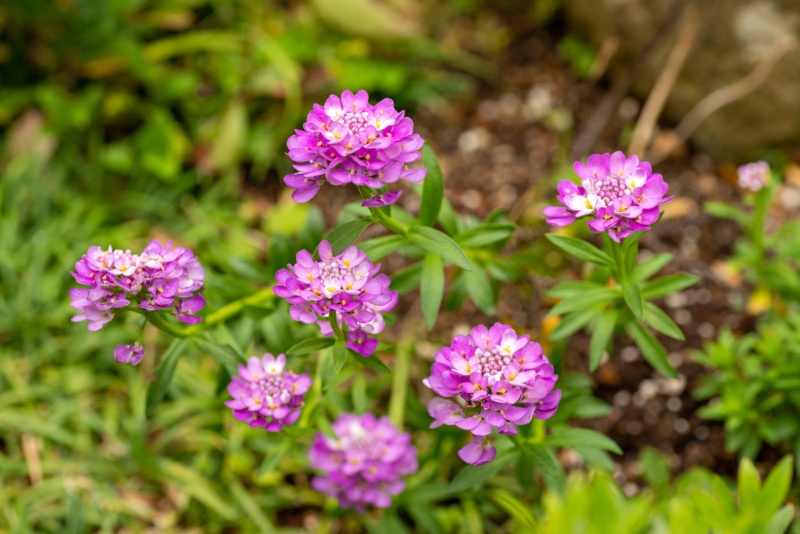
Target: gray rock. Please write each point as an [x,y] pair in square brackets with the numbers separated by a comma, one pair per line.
[733,37]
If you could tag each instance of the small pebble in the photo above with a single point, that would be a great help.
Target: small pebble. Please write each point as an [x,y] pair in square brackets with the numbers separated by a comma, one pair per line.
[675,300]
[648,389]
[681,425]
[622,398]
[474,139]
[630,489]
[674,404]
[706,330]
[683,317]
[702,432]
[629,354]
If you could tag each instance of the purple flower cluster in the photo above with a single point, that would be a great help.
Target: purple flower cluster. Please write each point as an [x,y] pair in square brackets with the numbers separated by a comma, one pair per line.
[364,463]
[159,278]
[264,394]
[348,285]
[503,379]
[348,140]
[754,176]
[621,193]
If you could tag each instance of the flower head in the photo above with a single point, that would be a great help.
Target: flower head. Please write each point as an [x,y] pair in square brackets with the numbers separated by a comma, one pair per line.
[349,140]
[364,463]
[160,277]
[265,394]
[754,176]
[622,194]
[502,380]
[347,284]
[131,354]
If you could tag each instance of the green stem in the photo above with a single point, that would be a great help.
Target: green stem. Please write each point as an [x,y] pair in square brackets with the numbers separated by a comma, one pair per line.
[402,365]
[316,392]
[538,431]
[218,316]
[762,201]
[337,330]
[156,320]
[378,214]
[620,273]
[388,222]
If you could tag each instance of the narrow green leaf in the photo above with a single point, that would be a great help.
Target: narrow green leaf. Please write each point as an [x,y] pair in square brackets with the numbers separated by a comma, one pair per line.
[725,210]
[294,431]
[655,468]
[516,509]
[425,518]
[661,287]
[776,486]
[630,246]
[650,266]
[251,507]
[601,335]
[480,289]
[485,234]
[345,234]
[633,298]
[780,521]
[432,188]
[224,355]
[358,392]
[380,247]
[197,486]
[274,456]
[164,373]
[370,362]
[75,514]
[313,344]
[651,348]
[541,458]
[588,298]
[431,288]
[581,437]
[573,322]
[407,279]
[658,319]
[571,288]
[473,476]
[449,219]
[339,355]
[440,244]
[748,485]
[580,249]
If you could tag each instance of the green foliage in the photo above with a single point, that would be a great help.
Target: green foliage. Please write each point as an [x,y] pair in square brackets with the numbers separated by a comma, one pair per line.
[768,257]
[698,502]
[593,505]
[755,385]
[617,296]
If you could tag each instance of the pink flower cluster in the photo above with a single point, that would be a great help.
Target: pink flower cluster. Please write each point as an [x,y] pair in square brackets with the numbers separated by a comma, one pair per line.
[159,278]
[502,380]
[348,140]
[364,463]
[622,194]
[266,395]
[754,176]
[348,285]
